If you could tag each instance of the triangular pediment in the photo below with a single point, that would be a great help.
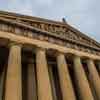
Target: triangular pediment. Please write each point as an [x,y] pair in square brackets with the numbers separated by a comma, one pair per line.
[58,29]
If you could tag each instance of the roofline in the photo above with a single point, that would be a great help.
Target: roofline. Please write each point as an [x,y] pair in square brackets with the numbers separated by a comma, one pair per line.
[31,18]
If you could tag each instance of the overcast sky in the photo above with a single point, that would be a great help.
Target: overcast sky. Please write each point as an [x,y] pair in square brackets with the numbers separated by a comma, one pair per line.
[82,14]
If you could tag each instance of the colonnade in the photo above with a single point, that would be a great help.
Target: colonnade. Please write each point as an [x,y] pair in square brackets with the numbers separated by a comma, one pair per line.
[13,85]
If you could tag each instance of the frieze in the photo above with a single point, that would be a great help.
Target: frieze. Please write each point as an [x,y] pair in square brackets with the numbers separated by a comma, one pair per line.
[31,34]
[62,31]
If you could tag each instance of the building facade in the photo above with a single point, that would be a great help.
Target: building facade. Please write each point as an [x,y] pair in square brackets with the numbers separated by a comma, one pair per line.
[42,59]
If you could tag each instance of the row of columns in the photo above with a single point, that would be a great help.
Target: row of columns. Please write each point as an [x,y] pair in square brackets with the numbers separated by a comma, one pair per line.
[13,86]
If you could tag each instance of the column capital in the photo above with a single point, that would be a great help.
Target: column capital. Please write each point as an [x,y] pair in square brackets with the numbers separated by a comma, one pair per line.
[56,52]
[14,44]
[60,53]
[76,56]
[40,48]
[89,59]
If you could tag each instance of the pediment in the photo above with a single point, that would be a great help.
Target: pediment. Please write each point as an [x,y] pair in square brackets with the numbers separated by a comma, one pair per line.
[58,29]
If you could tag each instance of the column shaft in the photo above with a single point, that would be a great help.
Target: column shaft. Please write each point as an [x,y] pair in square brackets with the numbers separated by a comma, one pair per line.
[44,86]
[31,83]
[82,82]
[52,82]
[94,76]
[65,81]
[13,79]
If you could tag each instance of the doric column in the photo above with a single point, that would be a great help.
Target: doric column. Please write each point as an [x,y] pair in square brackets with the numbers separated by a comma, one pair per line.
[43,82]
[13,79]
[94,76]
[82,82]
[31,82]
[52,82]
[65,81]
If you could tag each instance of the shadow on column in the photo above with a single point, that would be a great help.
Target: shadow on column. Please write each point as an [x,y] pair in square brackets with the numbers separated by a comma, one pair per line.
[26,75]
[89,79]
[55,78]
[97,67]
[4,52]
[72,76]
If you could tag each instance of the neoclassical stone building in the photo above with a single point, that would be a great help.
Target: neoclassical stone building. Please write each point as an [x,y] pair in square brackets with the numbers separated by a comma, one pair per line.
[42,59]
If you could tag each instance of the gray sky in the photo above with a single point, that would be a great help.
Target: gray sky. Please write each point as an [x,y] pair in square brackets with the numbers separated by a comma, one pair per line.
[82,14]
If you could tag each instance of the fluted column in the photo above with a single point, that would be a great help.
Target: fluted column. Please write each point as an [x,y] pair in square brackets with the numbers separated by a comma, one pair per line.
[65,81]
[82,82]
[13,79]
[43,81]
[31,82]
[94,76]
[52,82]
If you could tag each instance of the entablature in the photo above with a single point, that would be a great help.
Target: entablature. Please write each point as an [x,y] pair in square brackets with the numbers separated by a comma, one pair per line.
[55,33]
